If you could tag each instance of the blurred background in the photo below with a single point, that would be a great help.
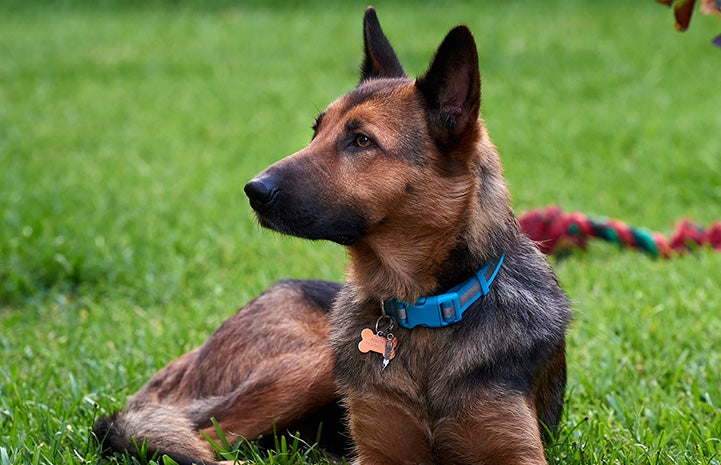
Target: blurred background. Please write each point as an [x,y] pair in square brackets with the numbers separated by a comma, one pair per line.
[128,128]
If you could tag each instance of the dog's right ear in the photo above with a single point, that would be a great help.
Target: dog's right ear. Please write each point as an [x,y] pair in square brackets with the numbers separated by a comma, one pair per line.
[380,60]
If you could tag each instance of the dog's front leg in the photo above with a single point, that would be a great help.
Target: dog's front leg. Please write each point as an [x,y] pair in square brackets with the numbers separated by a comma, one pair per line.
[387,433]
[497,428]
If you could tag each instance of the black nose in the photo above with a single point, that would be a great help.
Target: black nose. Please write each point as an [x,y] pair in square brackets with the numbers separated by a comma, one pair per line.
[261,191]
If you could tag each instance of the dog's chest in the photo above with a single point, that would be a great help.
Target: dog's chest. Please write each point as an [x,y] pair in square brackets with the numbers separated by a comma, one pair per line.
[420,356]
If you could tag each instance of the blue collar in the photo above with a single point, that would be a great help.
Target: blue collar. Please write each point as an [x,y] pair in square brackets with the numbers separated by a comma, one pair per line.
[442,310]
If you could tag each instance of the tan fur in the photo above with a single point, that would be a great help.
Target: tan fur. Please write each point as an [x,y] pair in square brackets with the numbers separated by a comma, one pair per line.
[383,266]
[386,432]
[266,384]
[265,368]
[424,208]
[498,428]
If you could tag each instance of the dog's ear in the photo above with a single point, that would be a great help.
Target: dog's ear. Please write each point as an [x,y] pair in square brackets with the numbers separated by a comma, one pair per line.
[452,87]
[379,61]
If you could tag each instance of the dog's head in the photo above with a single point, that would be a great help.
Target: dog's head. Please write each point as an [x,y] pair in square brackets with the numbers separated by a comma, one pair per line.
[397,166]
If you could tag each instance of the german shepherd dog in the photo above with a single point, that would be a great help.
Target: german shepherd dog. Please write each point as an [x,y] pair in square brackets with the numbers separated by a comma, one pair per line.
[447,340]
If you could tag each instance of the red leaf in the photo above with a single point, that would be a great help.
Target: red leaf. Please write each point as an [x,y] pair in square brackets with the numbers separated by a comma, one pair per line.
[683,11]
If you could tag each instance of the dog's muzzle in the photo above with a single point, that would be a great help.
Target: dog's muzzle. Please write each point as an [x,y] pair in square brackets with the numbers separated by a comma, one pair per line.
[294,208]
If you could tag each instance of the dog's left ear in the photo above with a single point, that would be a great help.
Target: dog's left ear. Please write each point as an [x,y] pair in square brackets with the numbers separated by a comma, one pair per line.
[380,60]
[452,87]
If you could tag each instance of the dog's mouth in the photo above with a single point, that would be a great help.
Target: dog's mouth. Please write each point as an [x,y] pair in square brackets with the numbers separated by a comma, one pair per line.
[345,229]
[308,228]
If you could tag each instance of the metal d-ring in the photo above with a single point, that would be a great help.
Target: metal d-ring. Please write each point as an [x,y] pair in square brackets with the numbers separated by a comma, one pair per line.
[389,328]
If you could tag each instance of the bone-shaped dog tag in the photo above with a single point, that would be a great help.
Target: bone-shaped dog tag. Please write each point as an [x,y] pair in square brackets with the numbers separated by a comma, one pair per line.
[372,342]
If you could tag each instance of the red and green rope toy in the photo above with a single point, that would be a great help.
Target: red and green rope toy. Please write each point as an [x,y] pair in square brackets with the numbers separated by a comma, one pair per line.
[556,232]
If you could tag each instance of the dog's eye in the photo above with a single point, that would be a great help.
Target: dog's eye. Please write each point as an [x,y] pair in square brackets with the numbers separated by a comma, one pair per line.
[362,141]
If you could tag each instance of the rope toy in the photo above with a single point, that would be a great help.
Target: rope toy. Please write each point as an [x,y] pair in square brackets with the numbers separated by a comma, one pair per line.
[557,232]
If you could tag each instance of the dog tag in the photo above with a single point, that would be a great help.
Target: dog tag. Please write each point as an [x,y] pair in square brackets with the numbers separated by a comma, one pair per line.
[384,345]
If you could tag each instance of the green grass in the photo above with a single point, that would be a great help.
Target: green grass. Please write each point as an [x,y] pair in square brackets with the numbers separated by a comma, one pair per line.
[127,131]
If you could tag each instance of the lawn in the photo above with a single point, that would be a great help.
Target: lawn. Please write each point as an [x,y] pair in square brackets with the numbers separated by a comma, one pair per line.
[128,129]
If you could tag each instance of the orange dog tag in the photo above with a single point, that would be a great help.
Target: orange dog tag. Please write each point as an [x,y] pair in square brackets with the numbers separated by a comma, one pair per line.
[371,342]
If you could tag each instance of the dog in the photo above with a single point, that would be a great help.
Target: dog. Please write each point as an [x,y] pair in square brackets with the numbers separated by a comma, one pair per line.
[467,315]
[446,343]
